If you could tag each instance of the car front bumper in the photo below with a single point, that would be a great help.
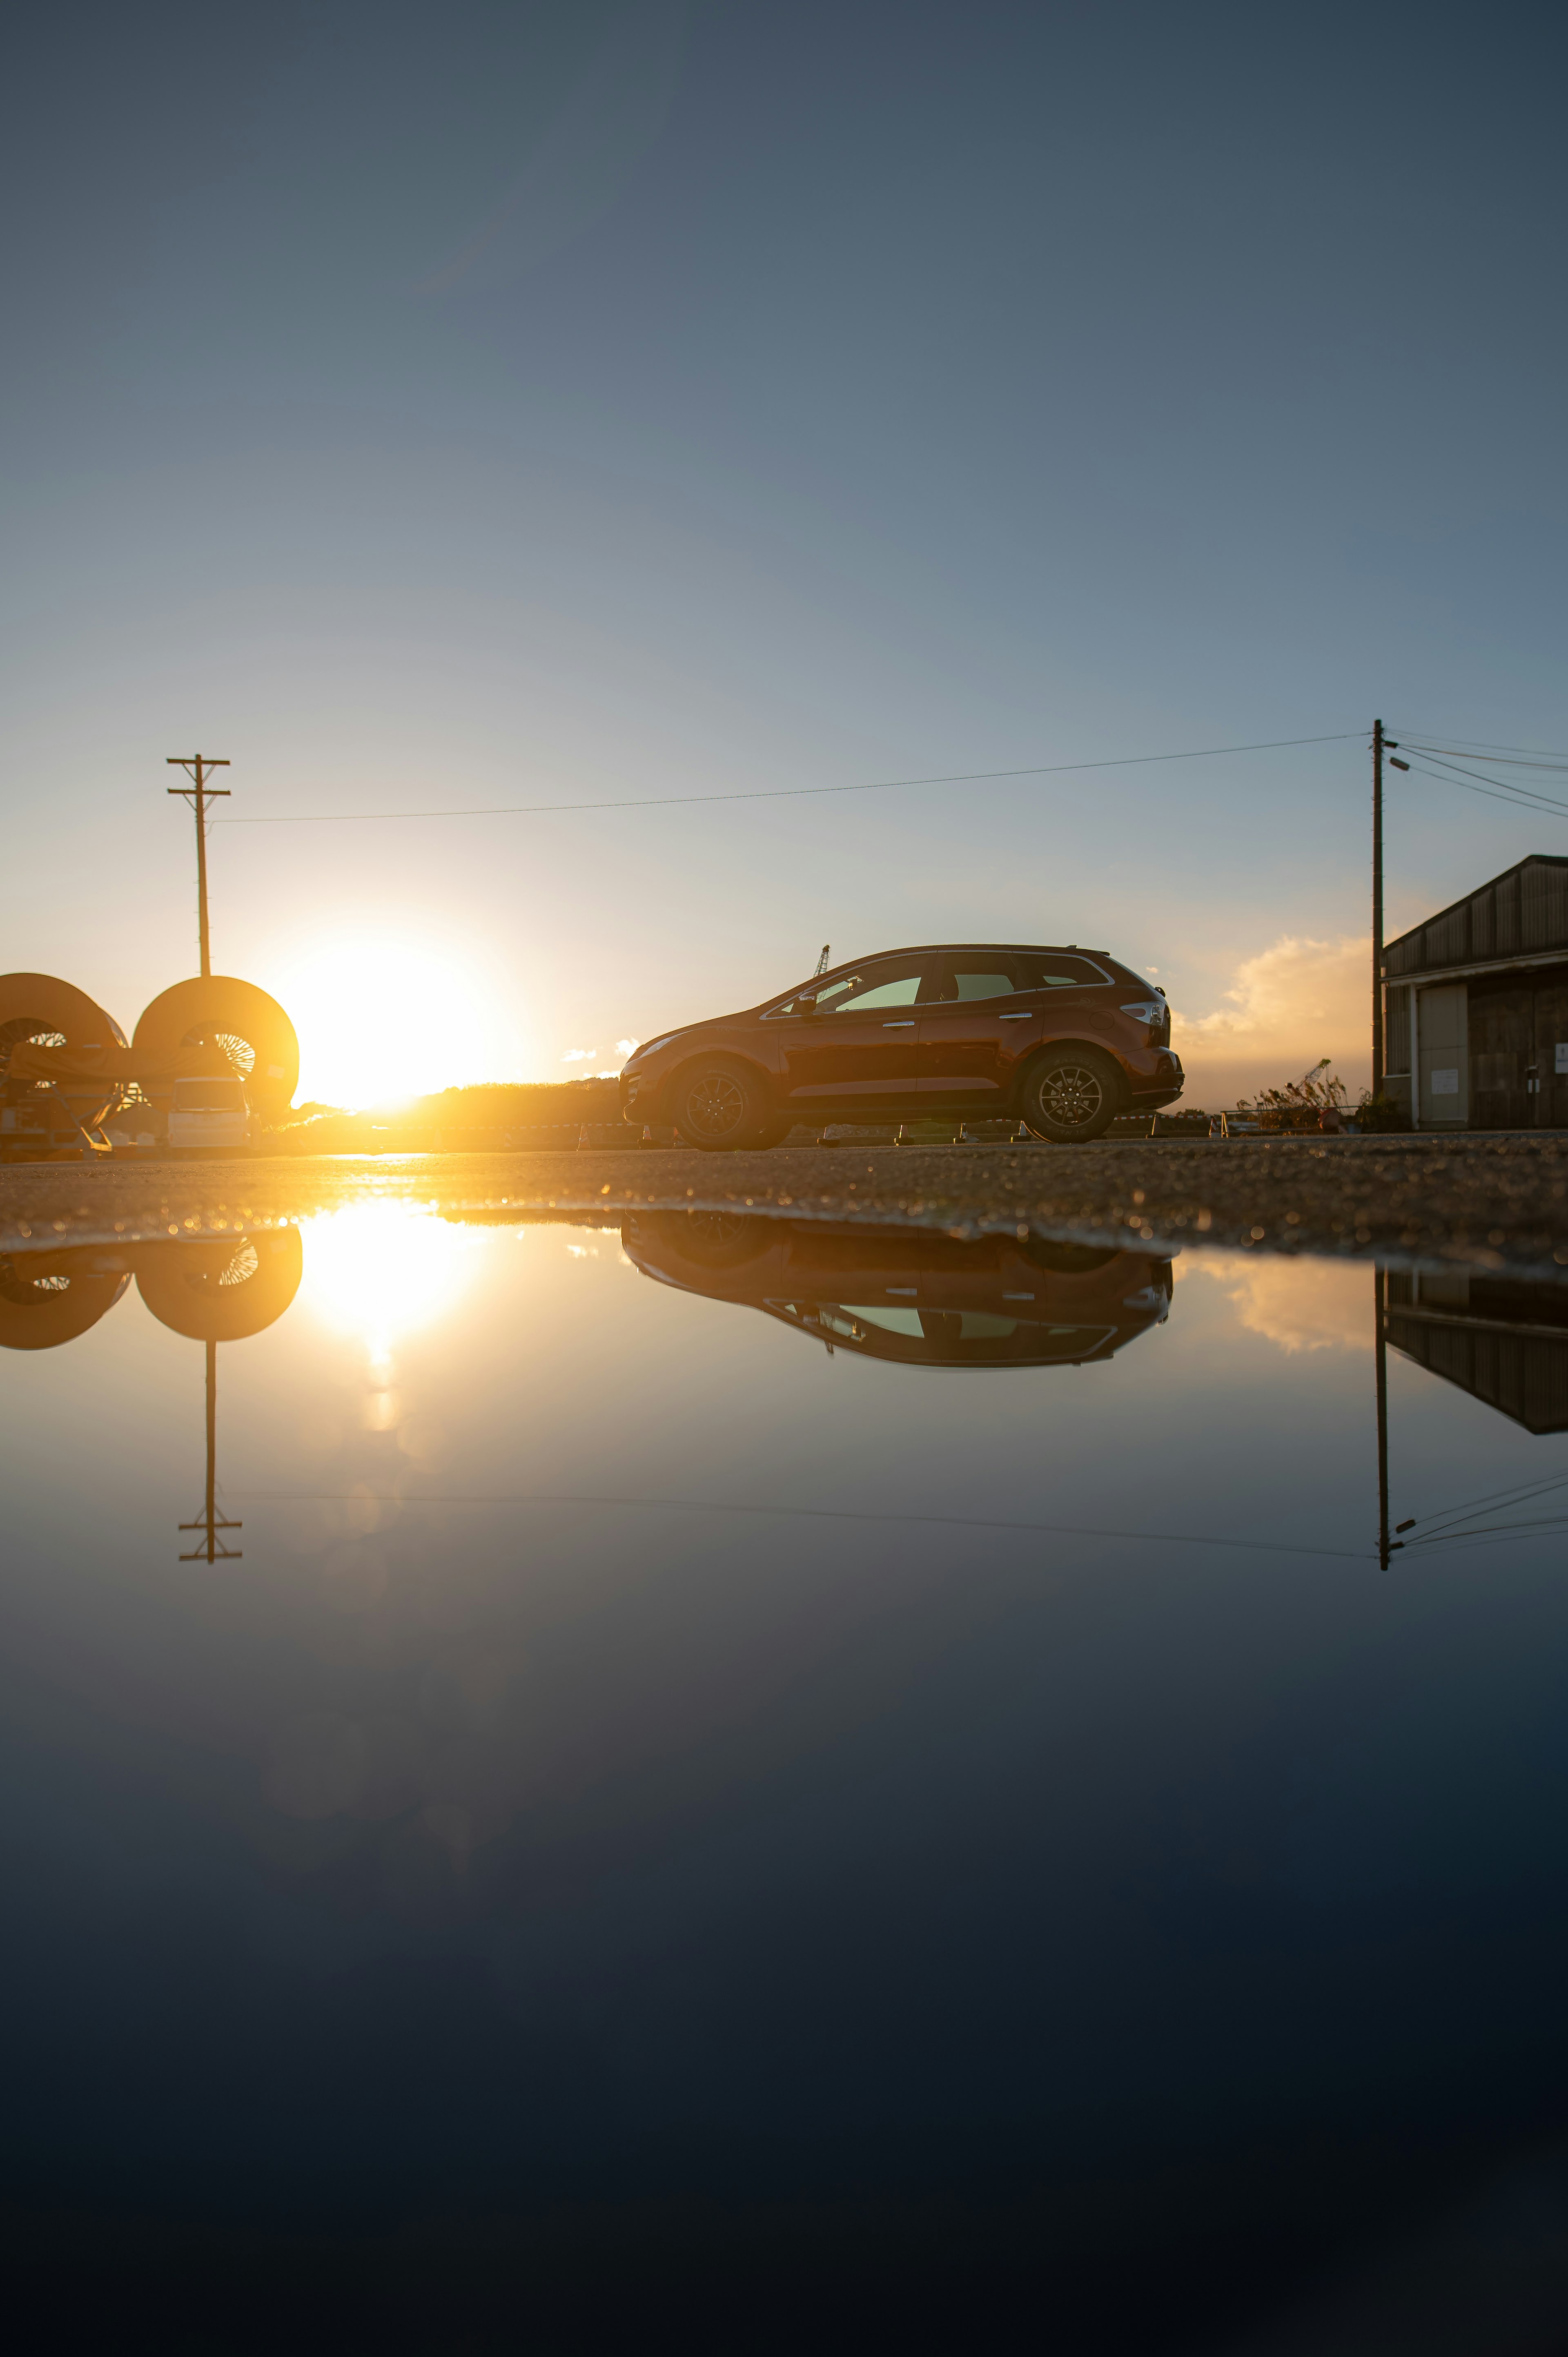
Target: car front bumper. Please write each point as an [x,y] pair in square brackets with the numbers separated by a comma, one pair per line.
[1155,1077]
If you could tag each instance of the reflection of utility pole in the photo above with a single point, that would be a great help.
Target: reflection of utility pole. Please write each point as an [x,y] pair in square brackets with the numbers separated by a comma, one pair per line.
[1378,741]
[1380,1346]
[197,767]
[212,1521]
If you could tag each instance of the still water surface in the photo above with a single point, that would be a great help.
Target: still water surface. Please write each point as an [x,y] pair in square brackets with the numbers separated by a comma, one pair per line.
[718,1712]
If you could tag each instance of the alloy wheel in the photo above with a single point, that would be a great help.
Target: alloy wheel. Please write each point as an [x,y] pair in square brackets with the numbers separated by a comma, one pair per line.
[1072,1094]
[715,1105]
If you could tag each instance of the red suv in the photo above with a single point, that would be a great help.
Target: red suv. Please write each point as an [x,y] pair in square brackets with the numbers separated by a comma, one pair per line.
[1064,1039]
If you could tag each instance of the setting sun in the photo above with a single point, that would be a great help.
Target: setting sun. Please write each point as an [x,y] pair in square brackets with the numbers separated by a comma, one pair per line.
[383,1020]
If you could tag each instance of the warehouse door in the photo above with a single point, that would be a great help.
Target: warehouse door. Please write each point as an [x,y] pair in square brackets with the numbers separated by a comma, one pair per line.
[1444,1034]
[1502,1049]
[1552,1053]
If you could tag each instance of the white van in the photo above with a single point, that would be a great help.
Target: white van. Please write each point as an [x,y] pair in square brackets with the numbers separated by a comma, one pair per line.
[215,1114]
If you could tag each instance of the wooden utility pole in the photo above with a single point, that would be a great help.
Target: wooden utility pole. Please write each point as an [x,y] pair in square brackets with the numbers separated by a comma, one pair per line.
[198,797]
[1378,741]
[210,1548]
[1380,1369]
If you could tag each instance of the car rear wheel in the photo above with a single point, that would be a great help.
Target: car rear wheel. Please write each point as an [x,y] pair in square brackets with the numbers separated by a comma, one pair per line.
[1071,1095]
[718,1105]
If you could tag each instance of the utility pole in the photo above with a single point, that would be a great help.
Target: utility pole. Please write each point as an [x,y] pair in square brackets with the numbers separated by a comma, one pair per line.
[198,797]
[1380,1348]
[210,1521]
[1378,743]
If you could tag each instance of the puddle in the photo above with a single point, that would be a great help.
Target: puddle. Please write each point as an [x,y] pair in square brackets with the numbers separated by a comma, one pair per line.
[803,1719]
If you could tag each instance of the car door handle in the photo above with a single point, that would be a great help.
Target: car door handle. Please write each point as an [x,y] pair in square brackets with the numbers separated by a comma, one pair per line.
[901,1026]
[1015,1019]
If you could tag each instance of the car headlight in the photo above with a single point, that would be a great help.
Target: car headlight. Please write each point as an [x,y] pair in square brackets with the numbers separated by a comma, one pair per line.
[648,1047]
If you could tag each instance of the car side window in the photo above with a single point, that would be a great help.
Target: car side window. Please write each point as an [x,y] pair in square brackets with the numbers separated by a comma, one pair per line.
[1060,971]
[879,985]
[888,984]
[982,977]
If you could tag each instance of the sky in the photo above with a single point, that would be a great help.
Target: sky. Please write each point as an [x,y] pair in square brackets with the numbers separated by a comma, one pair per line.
[433,408]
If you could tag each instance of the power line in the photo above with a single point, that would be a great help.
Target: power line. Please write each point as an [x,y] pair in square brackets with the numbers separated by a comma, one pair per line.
[1495,795]
[1504,785]
[1519,1493]
[1492,760]
[1475,744]
[781,794]
[801,1513]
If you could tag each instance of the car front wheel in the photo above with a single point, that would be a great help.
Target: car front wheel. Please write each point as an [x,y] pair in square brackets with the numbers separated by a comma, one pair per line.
[1072,1095]
[718,1105]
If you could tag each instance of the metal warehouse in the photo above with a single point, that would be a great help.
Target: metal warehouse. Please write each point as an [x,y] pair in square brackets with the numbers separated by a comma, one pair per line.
[1475,1006]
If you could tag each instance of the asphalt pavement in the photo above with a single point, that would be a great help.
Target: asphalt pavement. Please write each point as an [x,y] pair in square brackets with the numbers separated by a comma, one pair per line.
[1484,1202]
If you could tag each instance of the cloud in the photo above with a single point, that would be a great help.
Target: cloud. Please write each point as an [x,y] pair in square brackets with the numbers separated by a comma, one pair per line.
[1298,1304]
[1297,1001]
[579,1055]
[625,1047]
[1294,989]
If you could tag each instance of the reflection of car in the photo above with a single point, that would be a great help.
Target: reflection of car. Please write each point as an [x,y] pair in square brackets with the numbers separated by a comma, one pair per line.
[1068,1039]
[214,1114]
[909,1294]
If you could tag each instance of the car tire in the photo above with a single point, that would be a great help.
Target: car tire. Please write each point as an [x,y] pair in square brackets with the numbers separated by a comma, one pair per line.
[721,1240]
[1072,1095]
[718,1105]
[773,1132]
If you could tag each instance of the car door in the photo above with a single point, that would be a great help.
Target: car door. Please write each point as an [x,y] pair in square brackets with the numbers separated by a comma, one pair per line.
[856,1045]
[976,1034]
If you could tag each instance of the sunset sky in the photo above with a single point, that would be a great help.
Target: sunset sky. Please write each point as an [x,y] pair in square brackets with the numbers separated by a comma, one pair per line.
[429,408]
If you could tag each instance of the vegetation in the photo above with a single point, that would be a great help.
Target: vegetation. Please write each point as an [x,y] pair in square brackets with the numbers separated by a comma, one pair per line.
[1301,1100]
[485,1117]
[1381,1113]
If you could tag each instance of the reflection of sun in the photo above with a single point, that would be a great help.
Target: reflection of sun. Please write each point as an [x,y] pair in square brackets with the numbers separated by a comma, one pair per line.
[381,1270]
[383,1020]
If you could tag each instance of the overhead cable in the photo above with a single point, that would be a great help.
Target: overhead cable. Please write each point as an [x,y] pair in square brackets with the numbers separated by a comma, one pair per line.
[1445,777]
[798,1513]
[783,794]
[1503,785]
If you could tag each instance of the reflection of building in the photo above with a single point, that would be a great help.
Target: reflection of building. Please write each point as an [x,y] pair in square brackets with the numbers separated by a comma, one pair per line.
[1477,1006]
[1503,1340]
[911,1294]
[213,1288]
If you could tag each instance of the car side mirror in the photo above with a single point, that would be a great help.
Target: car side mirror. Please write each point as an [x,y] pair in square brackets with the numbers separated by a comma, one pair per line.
[808,1008]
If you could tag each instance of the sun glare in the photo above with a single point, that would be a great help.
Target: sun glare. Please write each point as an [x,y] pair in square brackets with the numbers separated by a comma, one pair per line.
[381,1021]
[382,1270]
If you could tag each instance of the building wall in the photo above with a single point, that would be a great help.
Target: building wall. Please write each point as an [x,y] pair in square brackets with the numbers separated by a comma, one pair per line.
[1441,1055]
[1491,1049]
[1517,913]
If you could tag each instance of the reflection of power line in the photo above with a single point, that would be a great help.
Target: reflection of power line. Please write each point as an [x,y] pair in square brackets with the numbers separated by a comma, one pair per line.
[211,1520]
[1459,1522]
[800,1514]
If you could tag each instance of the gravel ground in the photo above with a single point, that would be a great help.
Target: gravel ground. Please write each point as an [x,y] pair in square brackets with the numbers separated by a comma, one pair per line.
[1492,1203]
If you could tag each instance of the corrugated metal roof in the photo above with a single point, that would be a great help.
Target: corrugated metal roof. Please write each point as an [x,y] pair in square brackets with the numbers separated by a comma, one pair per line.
[1520,912]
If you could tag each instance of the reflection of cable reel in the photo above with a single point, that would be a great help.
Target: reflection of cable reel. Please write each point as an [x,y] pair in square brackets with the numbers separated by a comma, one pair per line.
[251,1028]
[51,1297]
[55,1014]
[224,1287]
